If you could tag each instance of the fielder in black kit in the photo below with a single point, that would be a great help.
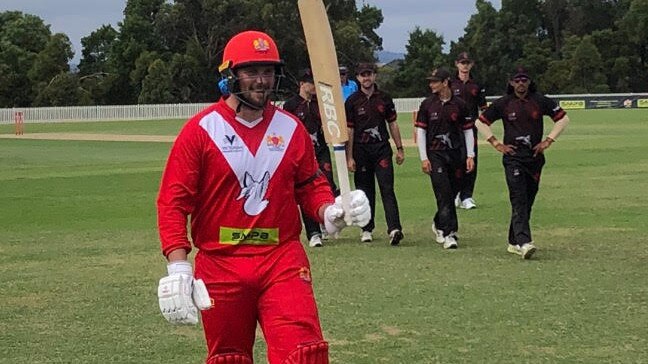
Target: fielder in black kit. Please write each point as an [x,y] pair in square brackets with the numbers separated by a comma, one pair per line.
[467,88]
[521,111]
[447,150]
[370,112]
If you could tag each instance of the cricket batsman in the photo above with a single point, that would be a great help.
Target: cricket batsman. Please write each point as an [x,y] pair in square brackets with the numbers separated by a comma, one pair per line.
[239,169]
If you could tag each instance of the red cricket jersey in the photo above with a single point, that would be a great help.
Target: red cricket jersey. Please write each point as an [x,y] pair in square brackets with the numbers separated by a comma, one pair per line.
[241,185]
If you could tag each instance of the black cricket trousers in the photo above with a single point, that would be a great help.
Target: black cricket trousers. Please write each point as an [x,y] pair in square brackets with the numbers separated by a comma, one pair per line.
[375,161]
[448,168]
[523,181]
[469,179]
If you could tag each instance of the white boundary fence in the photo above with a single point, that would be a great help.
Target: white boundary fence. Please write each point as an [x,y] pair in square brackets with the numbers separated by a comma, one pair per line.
[184,111]
[101,113]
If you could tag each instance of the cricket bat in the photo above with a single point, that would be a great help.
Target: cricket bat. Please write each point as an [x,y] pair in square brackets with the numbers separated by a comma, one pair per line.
[324,64]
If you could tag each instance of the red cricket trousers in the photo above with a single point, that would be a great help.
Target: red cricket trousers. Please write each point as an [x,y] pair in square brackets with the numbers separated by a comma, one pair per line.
[274,289]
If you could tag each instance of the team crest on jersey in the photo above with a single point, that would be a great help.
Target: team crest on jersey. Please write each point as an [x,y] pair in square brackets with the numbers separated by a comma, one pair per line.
[381,108]
[275,143]
[261,45]
[454,116]
[305,274]
[512,116]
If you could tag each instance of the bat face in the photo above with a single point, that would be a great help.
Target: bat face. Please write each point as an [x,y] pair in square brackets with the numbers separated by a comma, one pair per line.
[330,118]
[324,65]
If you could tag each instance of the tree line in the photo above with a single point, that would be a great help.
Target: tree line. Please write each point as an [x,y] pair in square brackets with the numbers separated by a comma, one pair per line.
[169,52]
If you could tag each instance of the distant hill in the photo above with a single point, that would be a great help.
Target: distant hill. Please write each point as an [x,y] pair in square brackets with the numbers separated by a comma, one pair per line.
[387,56]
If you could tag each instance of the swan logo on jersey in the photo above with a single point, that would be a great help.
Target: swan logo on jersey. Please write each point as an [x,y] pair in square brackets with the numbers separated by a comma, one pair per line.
[275,143]
[254,192]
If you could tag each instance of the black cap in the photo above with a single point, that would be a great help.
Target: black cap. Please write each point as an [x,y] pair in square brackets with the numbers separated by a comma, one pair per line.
[519,71]
[306,75]
[463,56]
[439,74]
[343,70]
[366,67]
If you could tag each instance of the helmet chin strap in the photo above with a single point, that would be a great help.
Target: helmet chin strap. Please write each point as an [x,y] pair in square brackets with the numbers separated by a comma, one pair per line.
[247,102]
[235,89]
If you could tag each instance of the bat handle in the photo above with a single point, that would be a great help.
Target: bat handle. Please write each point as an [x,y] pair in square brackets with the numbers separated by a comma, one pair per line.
[339,150]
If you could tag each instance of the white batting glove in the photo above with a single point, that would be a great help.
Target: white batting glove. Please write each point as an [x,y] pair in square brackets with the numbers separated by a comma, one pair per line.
[359,212]
[181,296]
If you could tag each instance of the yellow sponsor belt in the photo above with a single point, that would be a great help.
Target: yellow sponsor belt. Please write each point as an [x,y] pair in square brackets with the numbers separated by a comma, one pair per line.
[250,236]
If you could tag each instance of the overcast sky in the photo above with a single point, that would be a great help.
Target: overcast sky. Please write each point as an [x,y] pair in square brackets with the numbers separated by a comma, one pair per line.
[78,18]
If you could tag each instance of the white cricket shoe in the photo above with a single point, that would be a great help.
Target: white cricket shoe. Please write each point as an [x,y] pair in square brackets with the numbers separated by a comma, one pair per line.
[468,204]
[450,242]
[457,201]
[366,237]
[438,234]
[315,241]
[514,249]
[527,250]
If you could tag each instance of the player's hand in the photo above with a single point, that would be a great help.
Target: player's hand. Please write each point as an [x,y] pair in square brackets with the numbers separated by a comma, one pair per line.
[506,148]
[359,212]
[351,165]
[542,146]
[426,166]
[400,156]
[470,164]
[181,296]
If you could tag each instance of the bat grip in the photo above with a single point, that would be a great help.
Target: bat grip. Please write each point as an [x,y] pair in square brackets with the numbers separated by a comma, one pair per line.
[339,150]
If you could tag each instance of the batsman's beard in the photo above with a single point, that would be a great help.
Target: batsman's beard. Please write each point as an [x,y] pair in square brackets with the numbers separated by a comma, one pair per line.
[246,98]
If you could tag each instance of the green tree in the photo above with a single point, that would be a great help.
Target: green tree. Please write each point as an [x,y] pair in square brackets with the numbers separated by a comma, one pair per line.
[424,52]
[52,60]
[621,75]
[635,26]
[189,37]
[62,90]
[586,74]
[96,50]
[485,43]
[537,55]
[22,37]
[26,31]
[156,86]
[555,18]
[137,34]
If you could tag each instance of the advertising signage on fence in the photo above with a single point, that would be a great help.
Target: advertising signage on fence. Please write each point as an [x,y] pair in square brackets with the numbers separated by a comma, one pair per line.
[605,101]
[572,104]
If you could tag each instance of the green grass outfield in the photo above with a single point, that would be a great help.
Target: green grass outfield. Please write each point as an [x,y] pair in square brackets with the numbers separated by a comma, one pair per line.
[80,261]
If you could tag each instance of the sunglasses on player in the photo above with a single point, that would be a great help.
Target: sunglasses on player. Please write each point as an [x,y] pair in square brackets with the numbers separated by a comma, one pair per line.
[521,80]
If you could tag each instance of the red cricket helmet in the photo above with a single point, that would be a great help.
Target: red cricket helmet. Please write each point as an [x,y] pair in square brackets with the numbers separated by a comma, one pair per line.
[250,47]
